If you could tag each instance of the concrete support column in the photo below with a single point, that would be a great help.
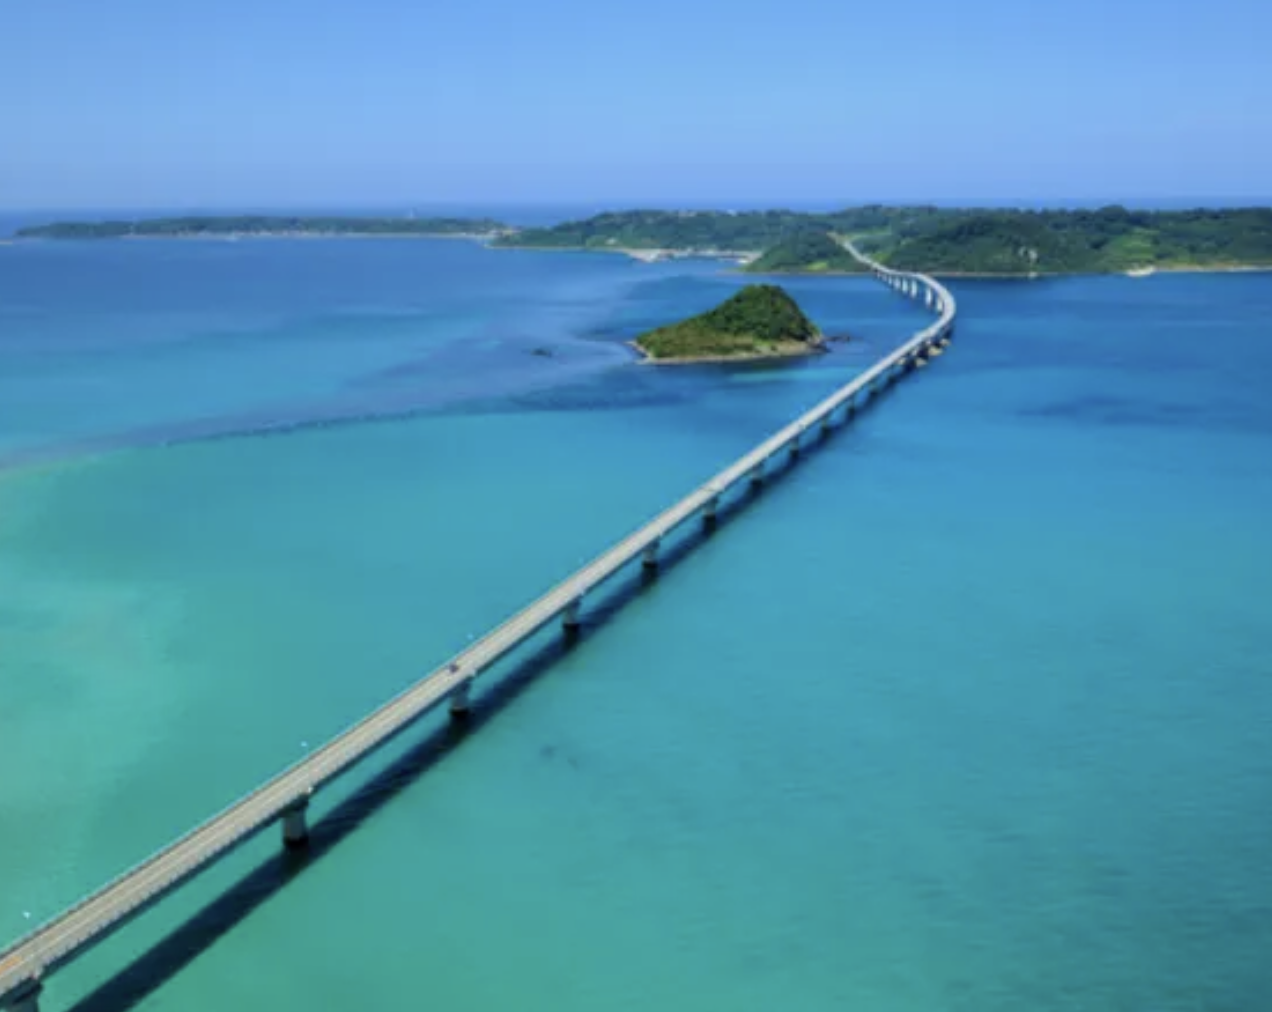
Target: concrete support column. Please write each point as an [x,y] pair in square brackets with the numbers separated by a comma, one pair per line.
[649,557]
[459,700]
[25,1000]
[570,617]
[710,510]
[826,422]
[794,448]
[757,475]
[295,824]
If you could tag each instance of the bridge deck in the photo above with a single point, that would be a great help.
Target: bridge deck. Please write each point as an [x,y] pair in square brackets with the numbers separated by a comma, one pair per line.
[59,940]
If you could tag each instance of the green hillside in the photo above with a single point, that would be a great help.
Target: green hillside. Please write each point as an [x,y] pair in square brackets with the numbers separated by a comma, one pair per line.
[807,253]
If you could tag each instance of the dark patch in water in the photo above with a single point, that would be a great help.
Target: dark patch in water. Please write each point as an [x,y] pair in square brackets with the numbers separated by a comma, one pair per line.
[551,752]
[1101,409]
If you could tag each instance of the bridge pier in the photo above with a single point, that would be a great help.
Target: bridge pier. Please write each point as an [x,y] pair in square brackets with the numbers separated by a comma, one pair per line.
[794,448]
[26,999]
[459,700]
[570,617]
[649,557]
[826,422]
[757,475]
[295,824]
[709,512]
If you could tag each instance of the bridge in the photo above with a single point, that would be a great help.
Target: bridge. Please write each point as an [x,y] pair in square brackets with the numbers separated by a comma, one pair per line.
[27,963]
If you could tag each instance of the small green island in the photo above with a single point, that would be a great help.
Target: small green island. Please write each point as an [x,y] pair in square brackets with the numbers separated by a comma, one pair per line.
[760,321]
[234,226]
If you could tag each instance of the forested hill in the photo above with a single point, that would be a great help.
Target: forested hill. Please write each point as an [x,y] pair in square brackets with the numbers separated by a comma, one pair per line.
[258,225]
[742,231]
[1063,242]
[807,253]
[950,240]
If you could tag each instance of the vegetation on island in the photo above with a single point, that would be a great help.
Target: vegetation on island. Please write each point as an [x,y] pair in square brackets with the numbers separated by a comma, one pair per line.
[942,240]
[758,321]
[260,225]
[807,253]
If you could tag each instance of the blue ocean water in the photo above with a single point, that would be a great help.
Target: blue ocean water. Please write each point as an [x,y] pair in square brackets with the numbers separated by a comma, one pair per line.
[969,711]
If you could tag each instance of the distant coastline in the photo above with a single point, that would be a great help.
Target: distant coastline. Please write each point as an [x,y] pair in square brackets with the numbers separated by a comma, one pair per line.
[951,242]
[944,242]
[642,253]
[237,227]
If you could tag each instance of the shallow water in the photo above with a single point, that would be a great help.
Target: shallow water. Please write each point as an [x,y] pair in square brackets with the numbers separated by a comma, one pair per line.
[969,711]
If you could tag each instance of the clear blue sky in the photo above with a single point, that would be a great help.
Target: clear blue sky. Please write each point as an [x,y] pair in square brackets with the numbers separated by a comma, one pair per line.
[154,103]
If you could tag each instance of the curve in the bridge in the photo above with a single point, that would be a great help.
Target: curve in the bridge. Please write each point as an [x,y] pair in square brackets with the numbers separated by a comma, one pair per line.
[31,959]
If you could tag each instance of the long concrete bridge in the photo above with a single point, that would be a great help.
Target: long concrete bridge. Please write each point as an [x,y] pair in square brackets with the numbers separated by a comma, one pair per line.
[27,963]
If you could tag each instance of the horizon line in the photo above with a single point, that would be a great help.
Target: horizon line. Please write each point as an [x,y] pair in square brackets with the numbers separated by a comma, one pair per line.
[1179,201]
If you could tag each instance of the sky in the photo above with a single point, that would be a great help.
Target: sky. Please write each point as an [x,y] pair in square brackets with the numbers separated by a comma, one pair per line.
[389,103]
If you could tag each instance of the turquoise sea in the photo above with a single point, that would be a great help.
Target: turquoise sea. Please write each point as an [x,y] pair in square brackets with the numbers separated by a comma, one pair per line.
[970,712]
